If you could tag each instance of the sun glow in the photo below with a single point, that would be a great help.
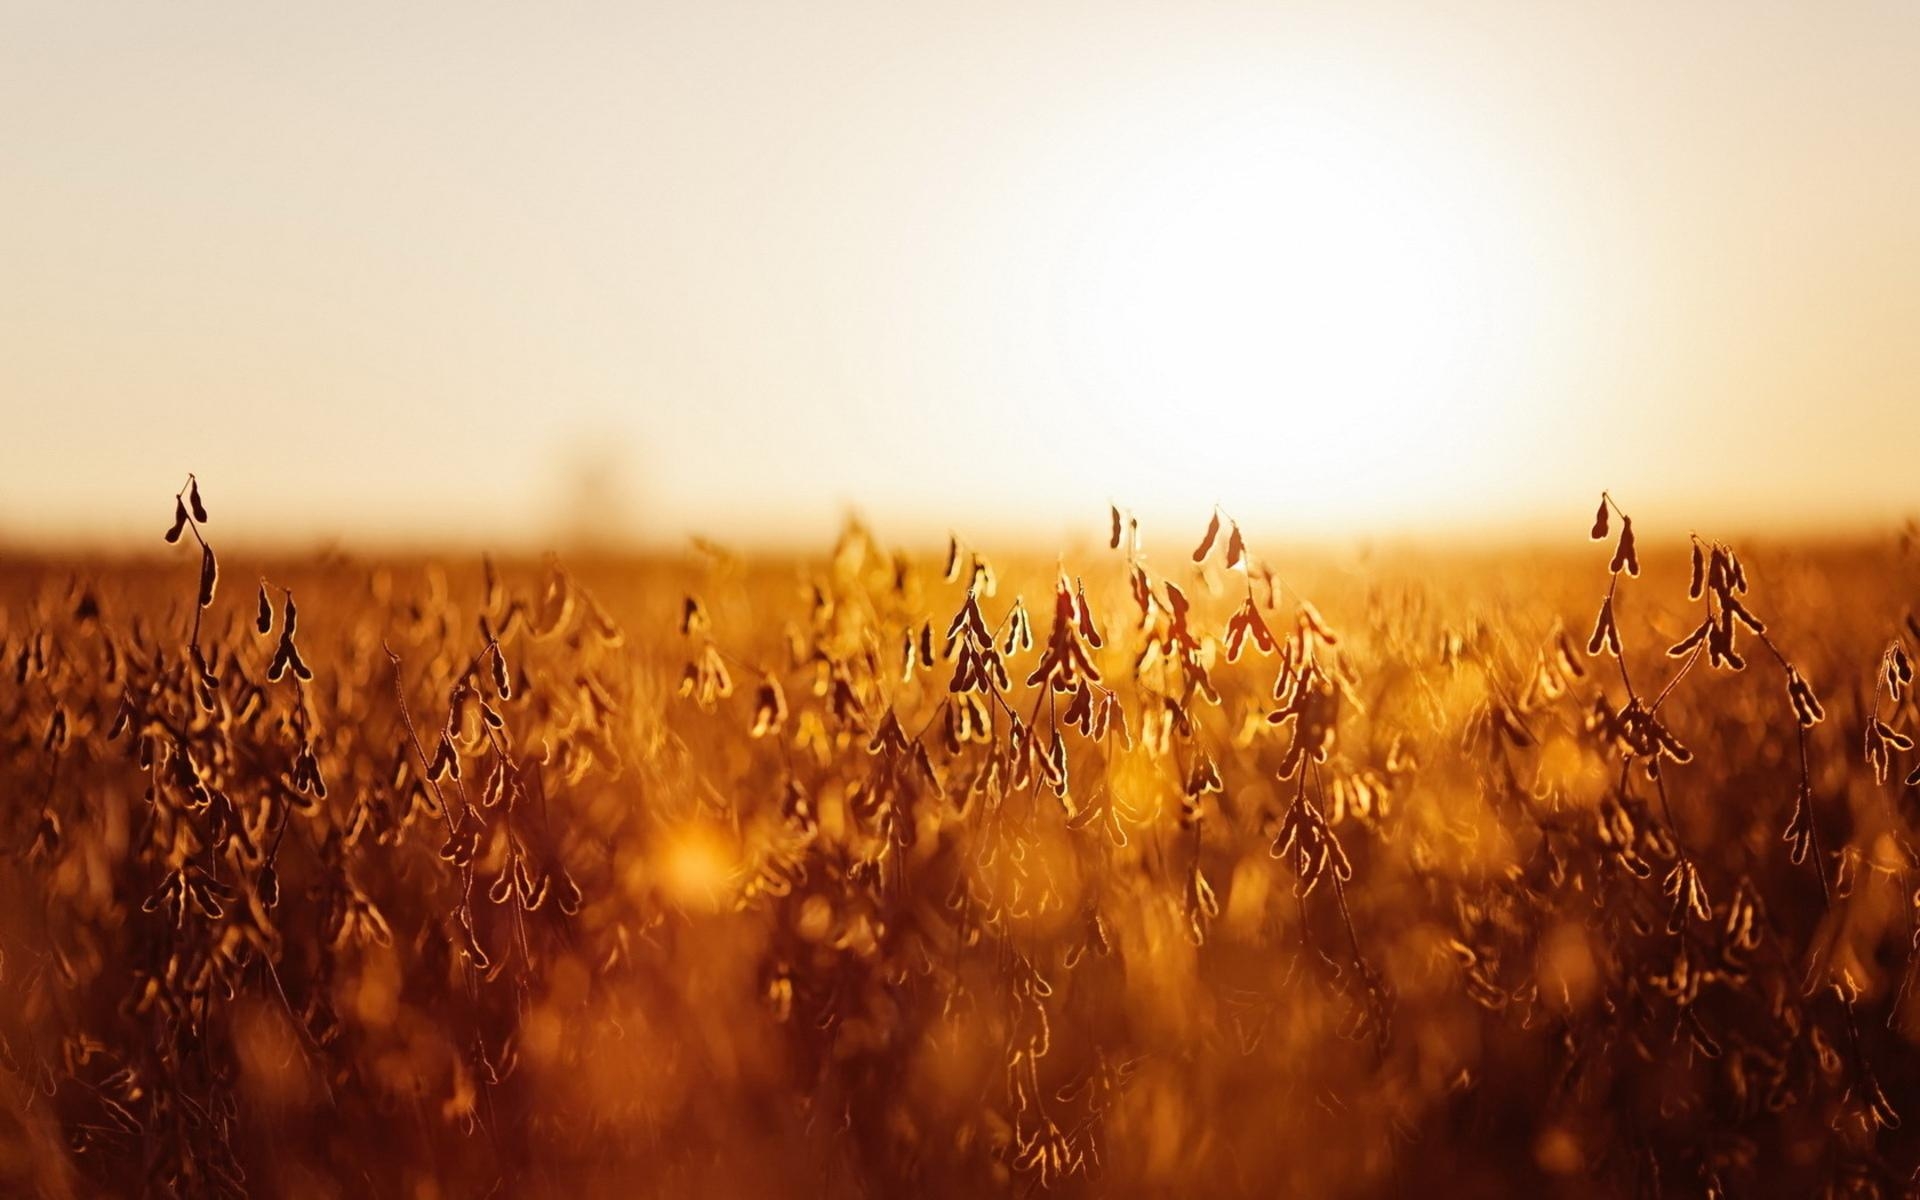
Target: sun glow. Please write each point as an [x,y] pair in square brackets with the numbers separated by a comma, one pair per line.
[1304,276]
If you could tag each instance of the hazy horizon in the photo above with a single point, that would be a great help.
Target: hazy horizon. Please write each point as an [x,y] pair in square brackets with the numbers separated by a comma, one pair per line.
[1352,271]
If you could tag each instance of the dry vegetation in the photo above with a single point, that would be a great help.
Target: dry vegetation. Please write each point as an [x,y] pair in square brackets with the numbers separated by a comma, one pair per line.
[858,877]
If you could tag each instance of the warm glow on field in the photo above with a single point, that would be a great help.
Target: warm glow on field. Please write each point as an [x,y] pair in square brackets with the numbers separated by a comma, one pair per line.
[959,600]
[696,868]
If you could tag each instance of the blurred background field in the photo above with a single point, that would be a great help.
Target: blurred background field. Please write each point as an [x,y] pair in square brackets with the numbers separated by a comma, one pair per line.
[678,958]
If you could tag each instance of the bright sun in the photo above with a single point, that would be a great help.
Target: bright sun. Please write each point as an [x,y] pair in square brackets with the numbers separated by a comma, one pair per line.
[1303,277]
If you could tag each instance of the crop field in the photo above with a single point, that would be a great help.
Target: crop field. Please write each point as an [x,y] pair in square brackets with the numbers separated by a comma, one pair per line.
[1199,869]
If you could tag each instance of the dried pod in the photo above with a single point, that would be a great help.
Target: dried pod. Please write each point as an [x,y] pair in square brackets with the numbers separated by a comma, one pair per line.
[1088,630]
[179,521]
[1685,644]
[209,575]
[1688,893]
[263,621]
[769,709]
[193,499]
[1738,611]
[1624,556]
[693,617]
[446,762]
[1605,632]
[1206,541]
[1898,671]
[1600,520]
[1204,777]
[1806,706]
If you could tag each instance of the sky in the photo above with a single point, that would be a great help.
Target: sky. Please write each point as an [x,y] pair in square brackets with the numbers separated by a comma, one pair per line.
[499,275]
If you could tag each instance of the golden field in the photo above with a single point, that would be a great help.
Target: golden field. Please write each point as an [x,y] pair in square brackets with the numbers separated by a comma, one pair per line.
[1139,872]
